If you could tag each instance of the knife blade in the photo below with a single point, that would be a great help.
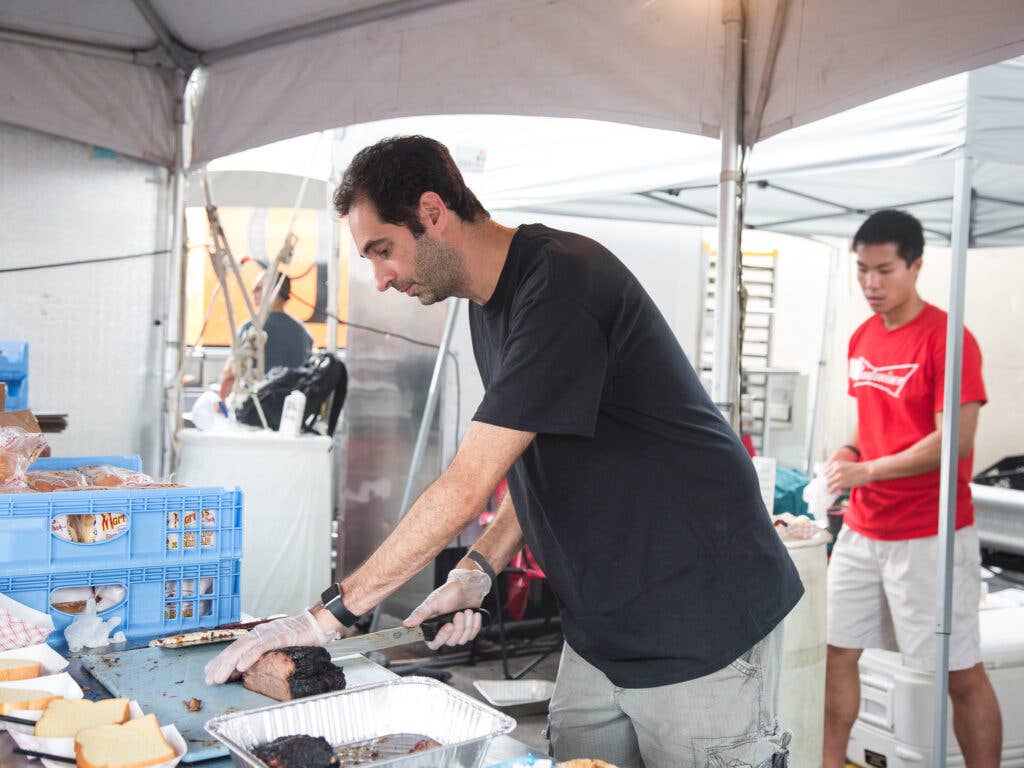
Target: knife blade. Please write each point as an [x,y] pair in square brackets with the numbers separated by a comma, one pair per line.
[389,638]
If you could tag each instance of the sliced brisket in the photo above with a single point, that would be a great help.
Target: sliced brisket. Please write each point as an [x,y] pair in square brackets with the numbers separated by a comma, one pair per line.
[293,673]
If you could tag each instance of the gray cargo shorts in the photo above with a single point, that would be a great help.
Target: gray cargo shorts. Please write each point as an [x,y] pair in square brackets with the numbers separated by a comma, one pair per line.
[727,719]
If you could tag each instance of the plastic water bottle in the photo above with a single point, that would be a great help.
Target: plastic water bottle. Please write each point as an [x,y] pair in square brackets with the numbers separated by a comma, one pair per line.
[291,414]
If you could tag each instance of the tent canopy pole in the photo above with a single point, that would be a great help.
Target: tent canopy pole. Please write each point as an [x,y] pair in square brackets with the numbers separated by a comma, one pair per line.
[961,226]
[725,360]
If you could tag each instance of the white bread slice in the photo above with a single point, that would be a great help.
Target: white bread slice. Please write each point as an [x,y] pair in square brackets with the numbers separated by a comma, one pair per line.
[135,744]
[64,718]
[23,698]
[18,669]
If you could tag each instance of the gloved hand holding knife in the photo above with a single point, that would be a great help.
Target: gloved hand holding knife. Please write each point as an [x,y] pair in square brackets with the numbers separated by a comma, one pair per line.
[464,587]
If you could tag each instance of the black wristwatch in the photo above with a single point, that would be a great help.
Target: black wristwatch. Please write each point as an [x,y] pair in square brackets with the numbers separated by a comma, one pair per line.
[330,598]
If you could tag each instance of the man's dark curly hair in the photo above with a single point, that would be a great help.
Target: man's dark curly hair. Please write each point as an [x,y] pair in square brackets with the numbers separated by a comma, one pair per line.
[393,174]
[891,226]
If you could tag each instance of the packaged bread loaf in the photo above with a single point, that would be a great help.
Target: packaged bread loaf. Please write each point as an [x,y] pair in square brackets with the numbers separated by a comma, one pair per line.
[105,476]
[47,480]
[12,471]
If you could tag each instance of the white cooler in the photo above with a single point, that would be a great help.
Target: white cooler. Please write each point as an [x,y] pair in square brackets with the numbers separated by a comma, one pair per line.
[895,724]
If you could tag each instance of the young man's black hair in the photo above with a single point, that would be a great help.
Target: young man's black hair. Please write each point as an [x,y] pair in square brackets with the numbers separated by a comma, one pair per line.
[286,287]
[393,174]
[891,226]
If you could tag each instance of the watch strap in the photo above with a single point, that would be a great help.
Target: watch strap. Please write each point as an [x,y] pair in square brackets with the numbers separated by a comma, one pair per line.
[480,560]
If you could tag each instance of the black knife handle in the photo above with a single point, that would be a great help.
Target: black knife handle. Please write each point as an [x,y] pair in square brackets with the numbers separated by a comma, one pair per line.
[433,625]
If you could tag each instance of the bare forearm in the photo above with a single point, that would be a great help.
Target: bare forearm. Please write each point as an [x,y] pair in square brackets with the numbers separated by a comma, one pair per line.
[502,539]
[923,456]
[437,517]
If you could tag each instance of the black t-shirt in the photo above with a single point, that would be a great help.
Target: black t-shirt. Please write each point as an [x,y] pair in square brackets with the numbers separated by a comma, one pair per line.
[288,342]
[637,498]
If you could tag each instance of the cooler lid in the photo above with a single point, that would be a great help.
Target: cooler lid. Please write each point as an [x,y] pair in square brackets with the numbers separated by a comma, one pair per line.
[1002,637]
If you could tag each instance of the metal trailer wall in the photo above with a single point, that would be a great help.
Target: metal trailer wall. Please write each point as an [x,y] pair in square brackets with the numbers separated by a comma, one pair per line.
[95,342]
[387,389]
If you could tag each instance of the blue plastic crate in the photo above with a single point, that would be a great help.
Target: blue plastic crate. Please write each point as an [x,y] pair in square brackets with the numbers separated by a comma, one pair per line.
[157,601]
[165,526]
[14,372]
[53,463]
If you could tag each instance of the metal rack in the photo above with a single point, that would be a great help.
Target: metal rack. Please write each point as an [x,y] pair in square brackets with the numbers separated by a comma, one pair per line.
[758,324]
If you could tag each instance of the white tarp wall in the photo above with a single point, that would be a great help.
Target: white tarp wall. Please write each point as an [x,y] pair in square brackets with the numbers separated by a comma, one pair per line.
[94,346]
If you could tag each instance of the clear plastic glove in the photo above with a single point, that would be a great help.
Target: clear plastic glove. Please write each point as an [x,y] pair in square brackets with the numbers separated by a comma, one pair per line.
[280,633]
[465,588]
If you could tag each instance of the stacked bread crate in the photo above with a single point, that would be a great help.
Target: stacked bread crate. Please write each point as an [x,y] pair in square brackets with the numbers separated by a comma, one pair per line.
[162,558]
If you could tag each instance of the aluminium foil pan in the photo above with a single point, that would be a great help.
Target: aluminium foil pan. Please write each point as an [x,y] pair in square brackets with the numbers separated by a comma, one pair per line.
[414,705]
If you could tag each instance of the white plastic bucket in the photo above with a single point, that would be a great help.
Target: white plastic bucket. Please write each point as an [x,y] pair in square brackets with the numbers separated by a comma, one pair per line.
[802,685]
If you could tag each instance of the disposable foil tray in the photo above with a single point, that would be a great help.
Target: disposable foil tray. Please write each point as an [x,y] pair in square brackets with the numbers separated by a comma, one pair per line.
[385,712]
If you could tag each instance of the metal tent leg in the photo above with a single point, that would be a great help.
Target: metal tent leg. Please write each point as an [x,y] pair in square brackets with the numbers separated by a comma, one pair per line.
[950,448]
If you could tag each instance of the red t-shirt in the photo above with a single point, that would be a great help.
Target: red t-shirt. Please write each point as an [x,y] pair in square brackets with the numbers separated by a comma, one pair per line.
[897,378]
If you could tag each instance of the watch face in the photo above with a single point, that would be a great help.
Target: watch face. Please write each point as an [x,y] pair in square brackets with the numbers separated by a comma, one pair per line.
[329,594]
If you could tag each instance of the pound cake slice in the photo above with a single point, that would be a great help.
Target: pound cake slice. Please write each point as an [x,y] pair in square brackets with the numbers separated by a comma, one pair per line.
[18,669]
[23,698]
[64,718]
[135,744]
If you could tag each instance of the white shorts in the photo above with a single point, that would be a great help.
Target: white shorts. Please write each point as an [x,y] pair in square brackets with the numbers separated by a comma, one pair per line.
[882,594]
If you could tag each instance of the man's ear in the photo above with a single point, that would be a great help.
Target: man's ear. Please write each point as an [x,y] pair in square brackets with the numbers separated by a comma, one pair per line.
[915,268]
[433,212]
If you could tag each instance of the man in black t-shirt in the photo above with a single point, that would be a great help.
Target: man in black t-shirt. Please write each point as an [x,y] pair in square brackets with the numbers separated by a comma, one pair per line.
[288,342]
[638,500]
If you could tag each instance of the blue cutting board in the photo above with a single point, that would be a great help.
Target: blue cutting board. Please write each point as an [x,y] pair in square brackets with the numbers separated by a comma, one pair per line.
[161,679]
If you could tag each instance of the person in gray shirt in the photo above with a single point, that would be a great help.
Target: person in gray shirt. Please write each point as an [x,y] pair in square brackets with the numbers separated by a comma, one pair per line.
[288,342]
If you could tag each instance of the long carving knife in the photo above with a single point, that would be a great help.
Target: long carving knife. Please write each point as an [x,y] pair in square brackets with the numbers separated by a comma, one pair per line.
[389,638]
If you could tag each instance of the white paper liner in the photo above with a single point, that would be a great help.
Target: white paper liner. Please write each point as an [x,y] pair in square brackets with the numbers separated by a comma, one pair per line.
[61,684]
[51,661]
[66,747]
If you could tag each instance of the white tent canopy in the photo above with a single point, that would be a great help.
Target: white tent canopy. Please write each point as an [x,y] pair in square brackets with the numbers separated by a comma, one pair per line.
[820,179]
[110,72]
[897,151]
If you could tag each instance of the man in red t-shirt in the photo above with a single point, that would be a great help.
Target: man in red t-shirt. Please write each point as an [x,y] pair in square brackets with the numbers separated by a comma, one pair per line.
[882,576]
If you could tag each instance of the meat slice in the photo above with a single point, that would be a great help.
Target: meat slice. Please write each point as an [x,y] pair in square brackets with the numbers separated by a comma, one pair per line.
[423,745]
[293,673]
[298,751]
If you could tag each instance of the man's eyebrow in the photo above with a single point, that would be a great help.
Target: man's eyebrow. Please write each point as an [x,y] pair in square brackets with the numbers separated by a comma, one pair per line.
[373,244]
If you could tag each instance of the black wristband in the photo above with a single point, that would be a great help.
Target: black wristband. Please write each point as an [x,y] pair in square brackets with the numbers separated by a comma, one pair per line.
[853,448]
[480,560]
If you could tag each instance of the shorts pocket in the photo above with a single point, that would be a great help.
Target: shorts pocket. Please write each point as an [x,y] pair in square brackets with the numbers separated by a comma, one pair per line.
[752,751]
[745,668]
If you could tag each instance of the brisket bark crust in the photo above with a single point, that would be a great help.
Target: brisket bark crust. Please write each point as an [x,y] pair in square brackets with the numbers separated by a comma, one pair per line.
[293,673]
[296,752]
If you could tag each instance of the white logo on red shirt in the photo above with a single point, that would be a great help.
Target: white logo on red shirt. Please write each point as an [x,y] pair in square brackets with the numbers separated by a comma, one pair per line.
[891,379]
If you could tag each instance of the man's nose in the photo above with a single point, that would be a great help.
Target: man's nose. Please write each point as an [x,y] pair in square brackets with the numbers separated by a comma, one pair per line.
[383,276]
